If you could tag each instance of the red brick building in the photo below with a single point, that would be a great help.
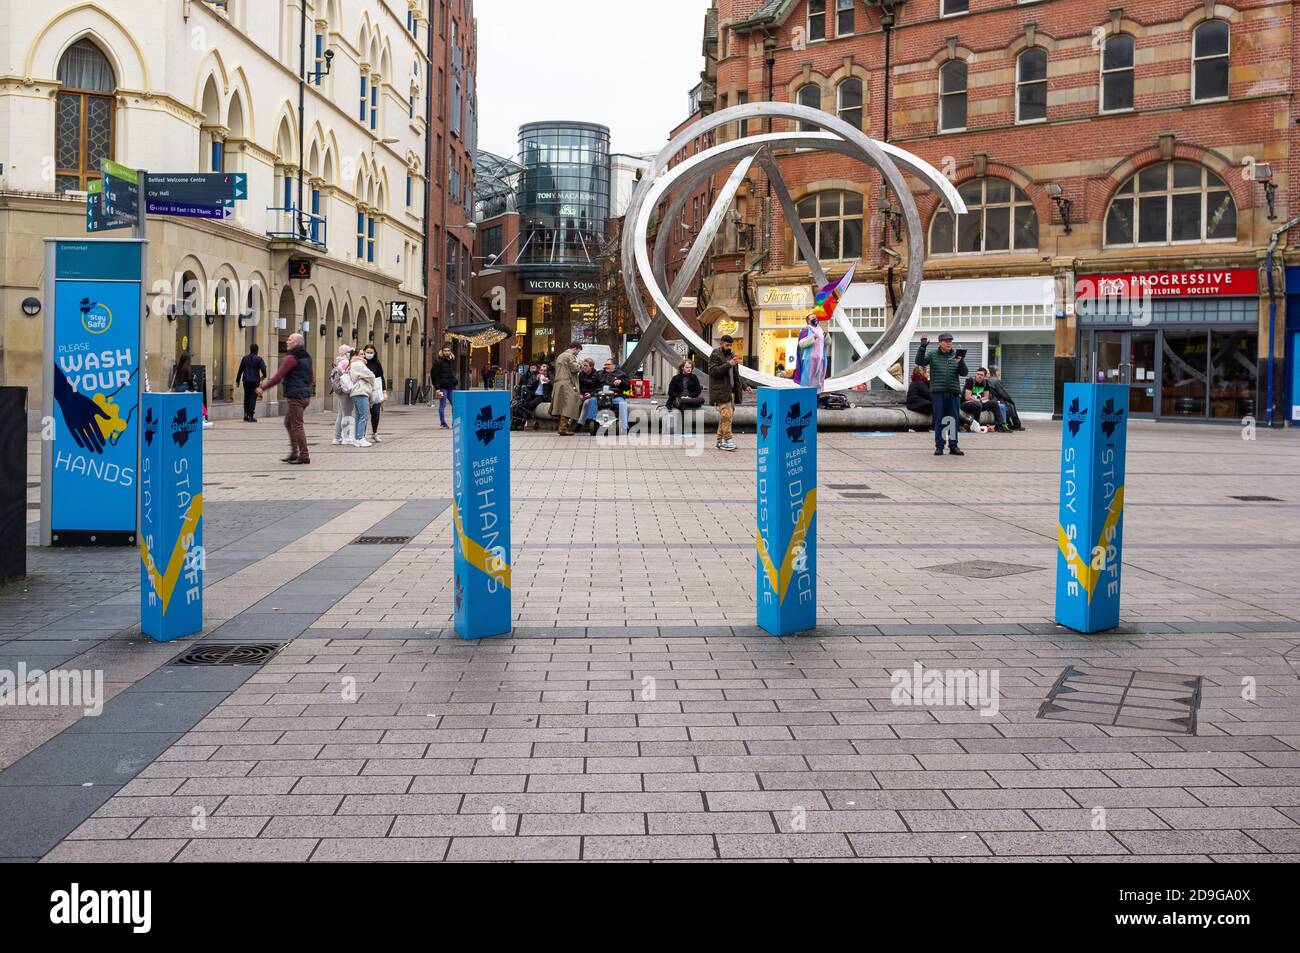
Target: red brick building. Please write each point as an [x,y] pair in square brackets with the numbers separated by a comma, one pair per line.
[1098,146]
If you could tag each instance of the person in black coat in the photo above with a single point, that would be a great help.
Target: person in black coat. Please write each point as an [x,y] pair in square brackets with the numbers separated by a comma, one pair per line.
[252,371]
[1003,396]
[371,357]
[919,400]
[444,381]
[684,391]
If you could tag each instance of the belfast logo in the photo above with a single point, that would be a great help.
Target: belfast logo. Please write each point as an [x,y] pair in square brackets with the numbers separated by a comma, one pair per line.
[764,420]
[150,427]
[1111,417]
[797,422]
[95,317]
[183,427]
[1075,417]
[486,427]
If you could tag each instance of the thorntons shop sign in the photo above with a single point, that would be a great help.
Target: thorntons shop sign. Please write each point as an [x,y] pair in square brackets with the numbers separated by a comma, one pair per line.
[1202,283]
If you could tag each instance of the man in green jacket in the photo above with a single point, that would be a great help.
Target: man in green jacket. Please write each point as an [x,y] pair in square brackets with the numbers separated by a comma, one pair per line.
[947,370]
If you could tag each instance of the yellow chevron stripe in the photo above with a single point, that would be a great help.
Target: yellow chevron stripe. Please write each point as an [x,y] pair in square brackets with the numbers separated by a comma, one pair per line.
[165,584]
[476,555]
[1086,575]
[781,581]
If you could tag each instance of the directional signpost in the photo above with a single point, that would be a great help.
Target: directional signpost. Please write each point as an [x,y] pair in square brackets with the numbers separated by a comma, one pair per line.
[120,190]
[183,210]
[196,195]
[97,220]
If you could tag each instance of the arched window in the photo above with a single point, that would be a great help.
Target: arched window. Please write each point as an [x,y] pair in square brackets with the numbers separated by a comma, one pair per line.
[952,96]
[999,217]
[1210,60]
[83,124]
[848,102]
[810,94]
[1117,73]
[1031,85]
[1171,202]
[833,223]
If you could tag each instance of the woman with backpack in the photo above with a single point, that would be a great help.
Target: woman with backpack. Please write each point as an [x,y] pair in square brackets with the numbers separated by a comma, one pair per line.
[380,394]
[341,388]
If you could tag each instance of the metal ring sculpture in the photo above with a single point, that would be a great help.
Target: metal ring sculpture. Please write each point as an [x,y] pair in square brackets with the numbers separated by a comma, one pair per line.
[836,136]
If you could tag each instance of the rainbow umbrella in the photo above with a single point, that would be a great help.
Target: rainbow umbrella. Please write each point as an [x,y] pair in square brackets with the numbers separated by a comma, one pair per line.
[829,297]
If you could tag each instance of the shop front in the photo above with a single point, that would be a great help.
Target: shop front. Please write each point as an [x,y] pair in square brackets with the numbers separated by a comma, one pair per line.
[782,314]
[1187,343]
[1004,322]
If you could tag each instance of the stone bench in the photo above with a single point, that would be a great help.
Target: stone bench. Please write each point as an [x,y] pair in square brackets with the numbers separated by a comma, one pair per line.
[746,416]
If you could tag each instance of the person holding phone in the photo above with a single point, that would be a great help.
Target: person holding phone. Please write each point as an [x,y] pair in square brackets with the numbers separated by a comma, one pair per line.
[947,370]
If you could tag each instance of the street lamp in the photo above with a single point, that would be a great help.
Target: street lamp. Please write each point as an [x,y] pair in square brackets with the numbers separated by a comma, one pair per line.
[1063,204]
[1264,176]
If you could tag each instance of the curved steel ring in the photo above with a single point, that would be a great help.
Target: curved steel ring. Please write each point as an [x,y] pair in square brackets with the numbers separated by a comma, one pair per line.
[838,137]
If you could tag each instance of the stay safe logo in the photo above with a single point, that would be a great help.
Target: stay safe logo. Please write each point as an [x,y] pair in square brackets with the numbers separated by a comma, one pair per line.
[96,317]
[1076,417]
[796,422]
[486,427]
[183,427]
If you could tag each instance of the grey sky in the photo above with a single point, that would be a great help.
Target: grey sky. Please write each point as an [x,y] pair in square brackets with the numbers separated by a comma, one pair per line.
[624,63]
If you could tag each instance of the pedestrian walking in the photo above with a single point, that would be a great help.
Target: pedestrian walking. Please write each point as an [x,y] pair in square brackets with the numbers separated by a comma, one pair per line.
[566,404]
[182,376]
[947,368]
[363,388]
[444,381]
[251,373]
[295,373]
[345,414]
[380,392]
[725,388]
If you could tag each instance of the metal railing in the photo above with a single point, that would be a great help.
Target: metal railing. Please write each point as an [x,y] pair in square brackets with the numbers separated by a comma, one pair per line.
[293,223]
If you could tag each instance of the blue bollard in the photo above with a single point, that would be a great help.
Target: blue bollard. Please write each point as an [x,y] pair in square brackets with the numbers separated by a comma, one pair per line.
[171,516]
[787,509]
[1090,529]
[480,451]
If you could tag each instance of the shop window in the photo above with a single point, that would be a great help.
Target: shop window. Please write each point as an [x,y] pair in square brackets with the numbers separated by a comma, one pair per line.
[810,95]
[848,105]
[1234,373]
[833,223]
[83,116]
[952,96]
[1117,73]
[999,217]
[1171,203]
[1031,85]
[1210,61]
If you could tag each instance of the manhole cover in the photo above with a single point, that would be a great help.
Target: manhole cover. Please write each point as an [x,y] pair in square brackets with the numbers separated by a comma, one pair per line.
[1256,499]
[983,569]
[240,654]
[1160,701]
[381,540]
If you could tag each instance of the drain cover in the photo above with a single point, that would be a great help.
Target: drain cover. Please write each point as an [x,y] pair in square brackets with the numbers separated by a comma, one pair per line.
[983,569]
[233,654]
[863,496]
[847,486]
[1256,499]
[381,540]
[1122,698]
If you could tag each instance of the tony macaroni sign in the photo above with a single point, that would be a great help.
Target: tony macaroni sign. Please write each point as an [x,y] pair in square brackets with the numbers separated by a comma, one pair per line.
[480,452]
[94,342]
[787,509]
[171,517]
[1090,530]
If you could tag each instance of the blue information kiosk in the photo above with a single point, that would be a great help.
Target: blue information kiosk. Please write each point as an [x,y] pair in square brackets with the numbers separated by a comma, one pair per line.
[1090,528]
[787,509]
[480,449]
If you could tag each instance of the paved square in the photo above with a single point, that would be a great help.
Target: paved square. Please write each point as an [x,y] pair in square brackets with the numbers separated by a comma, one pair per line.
[636,713]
